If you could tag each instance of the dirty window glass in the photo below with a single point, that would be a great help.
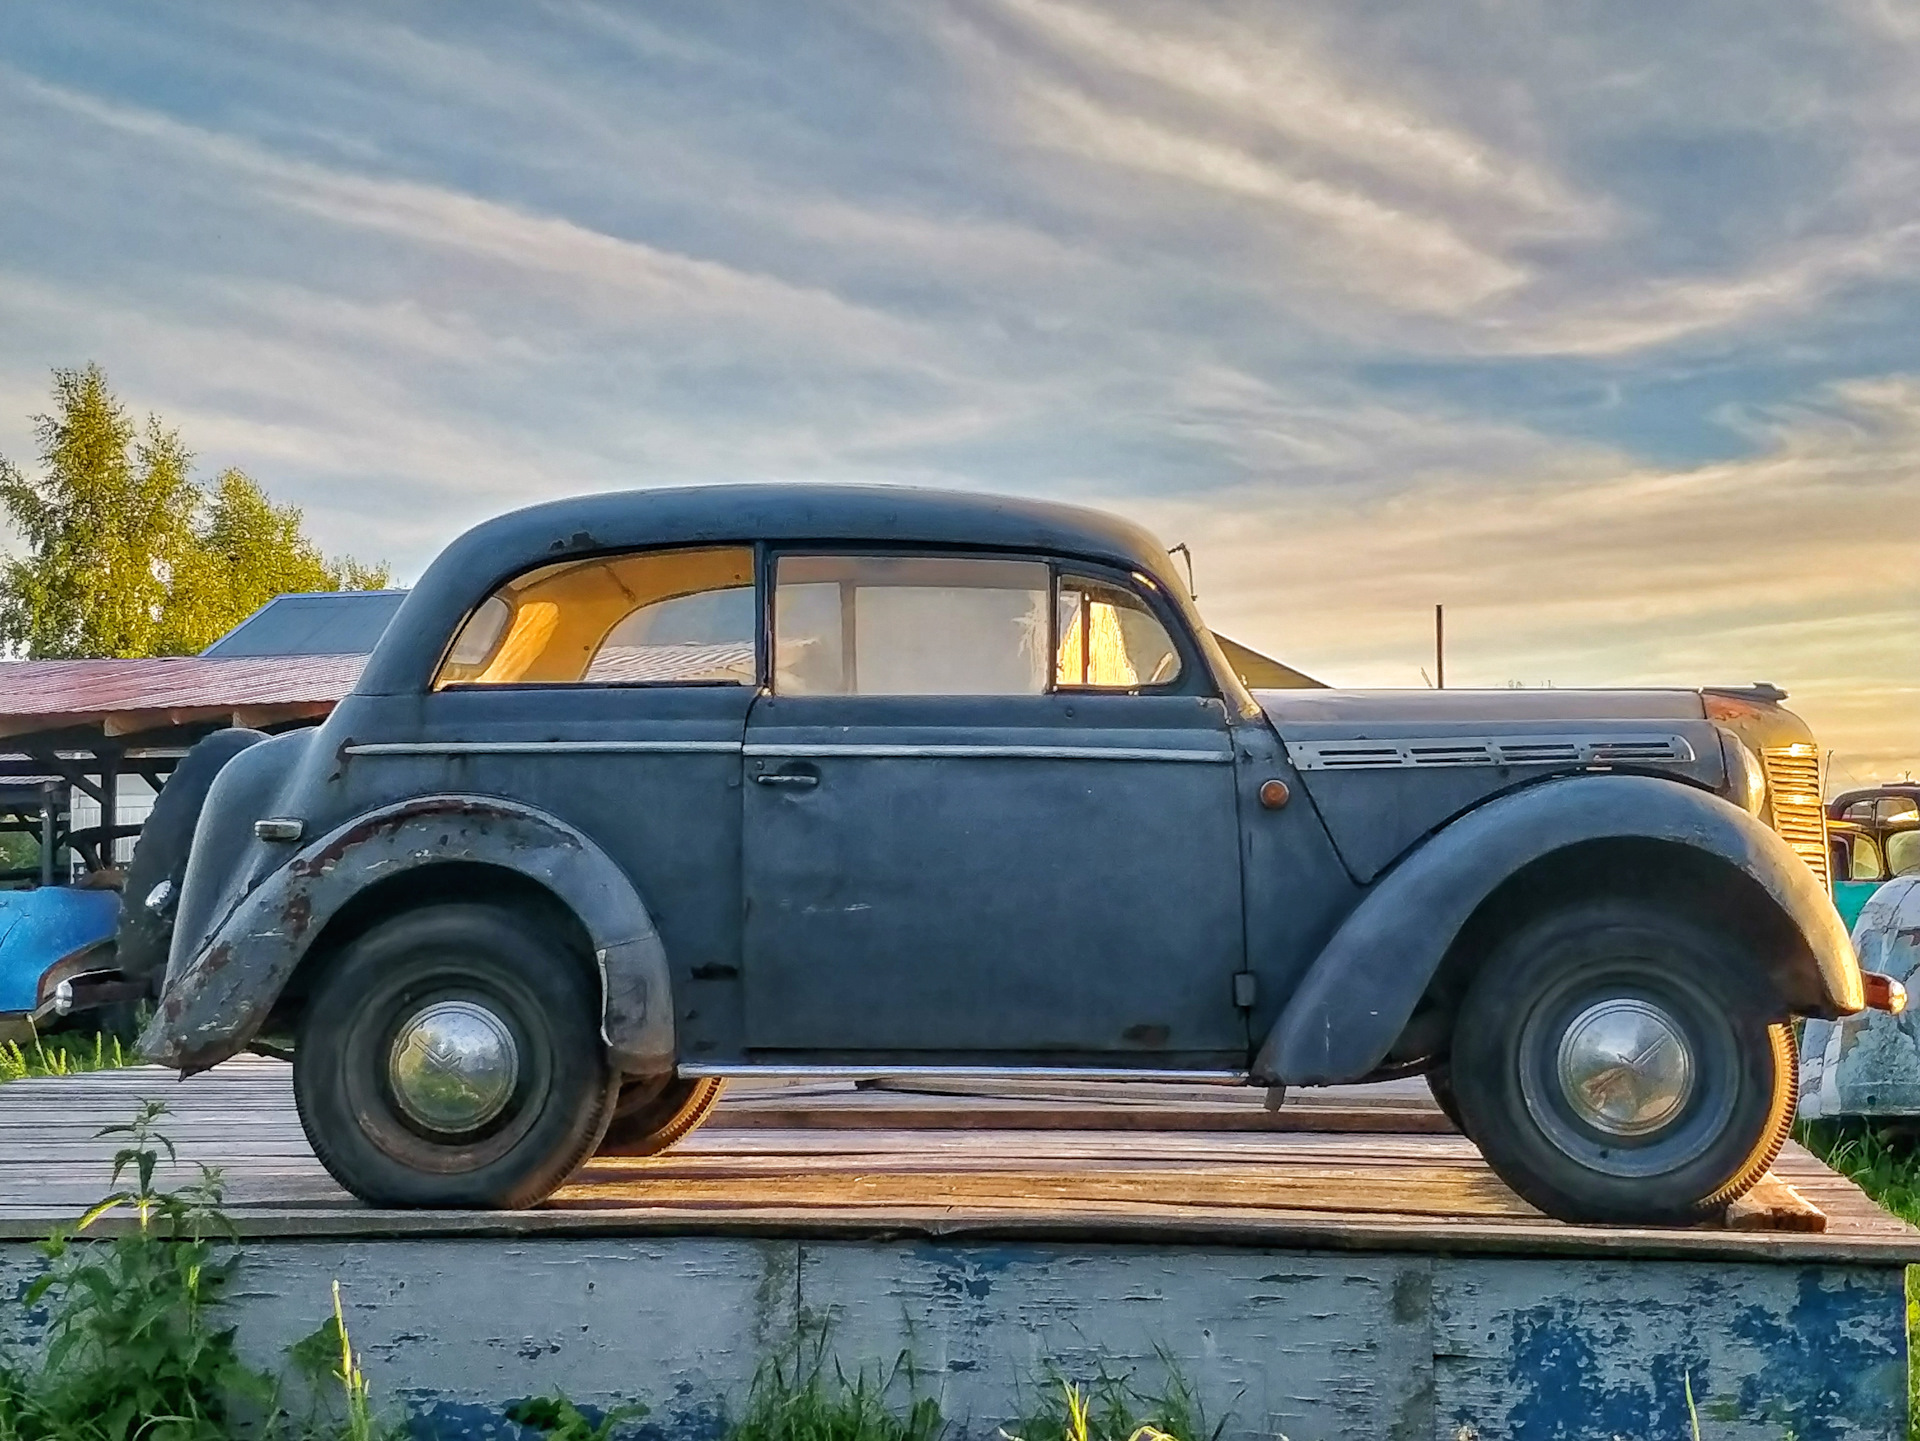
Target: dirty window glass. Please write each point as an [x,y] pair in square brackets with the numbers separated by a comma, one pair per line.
[1903,853]
[1865,862]
[1109,639]
[874,625]
[652,617]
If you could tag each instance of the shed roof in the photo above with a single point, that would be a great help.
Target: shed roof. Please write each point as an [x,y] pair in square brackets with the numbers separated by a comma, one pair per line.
[80,700]
[327,622]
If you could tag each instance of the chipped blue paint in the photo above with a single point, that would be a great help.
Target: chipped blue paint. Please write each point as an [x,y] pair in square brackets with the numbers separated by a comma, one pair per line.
[1328,1345]
[1552,1369]
[1832,1355]
[1816,1352]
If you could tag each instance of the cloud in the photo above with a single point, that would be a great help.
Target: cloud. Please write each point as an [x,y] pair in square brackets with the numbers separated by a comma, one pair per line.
[1795,566]
[1375,305]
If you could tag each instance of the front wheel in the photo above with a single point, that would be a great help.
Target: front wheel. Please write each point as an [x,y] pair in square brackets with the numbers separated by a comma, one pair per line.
[1617,1062]
[451,1056]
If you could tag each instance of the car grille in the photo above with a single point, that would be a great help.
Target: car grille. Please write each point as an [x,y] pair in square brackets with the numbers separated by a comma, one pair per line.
[1793,803]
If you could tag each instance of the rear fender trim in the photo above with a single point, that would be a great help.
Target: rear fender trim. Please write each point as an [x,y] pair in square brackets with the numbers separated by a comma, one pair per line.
[219,999]
[1363,987]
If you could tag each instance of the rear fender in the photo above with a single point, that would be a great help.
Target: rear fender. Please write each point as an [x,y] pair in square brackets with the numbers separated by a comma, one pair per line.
[218,998]
[1362,989]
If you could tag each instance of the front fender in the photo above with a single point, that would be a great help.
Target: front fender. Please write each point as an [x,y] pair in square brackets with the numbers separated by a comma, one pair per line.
[1361,990]
[217,998]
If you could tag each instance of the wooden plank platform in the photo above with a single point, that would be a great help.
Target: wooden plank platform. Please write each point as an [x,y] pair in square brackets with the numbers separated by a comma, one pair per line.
[1344,1268]
[1357,1168]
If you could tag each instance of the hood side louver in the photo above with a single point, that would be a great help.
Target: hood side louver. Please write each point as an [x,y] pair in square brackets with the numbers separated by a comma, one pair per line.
[1393,752]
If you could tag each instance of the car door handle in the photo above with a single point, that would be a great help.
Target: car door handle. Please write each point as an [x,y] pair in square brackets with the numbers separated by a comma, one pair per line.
[797,779]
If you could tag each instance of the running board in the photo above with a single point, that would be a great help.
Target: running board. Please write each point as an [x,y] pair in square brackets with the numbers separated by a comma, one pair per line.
[698,1071]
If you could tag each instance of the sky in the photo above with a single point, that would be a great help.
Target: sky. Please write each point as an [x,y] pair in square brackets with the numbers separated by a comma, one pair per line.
[1598,323]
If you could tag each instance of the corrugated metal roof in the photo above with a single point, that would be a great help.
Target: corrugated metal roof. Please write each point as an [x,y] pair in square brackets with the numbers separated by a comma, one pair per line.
[336,622]
[124,697]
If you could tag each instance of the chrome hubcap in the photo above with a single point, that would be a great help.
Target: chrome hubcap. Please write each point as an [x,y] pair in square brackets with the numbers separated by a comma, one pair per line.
[1625,1067]
[453,1066]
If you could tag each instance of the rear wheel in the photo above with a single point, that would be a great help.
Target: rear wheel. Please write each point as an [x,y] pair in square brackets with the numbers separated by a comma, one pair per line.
[1617,1062]
[655,1113]
[451,1056]
[1440,1084]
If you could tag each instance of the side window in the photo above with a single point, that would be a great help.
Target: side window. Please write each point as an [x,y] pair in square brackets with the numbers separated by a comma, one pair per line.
[883,625]
[1903,853]
[1865,865]
[1109,640]
[652,617]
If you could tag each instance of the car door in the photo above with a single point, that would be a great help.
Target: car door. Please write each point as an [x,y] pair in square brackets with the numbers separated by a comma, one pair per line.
[989,818]
[612,692]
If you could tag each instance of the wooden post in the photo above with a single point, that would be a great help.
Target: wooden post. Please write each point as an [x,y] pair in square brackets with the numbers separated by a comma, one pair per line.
[46,833]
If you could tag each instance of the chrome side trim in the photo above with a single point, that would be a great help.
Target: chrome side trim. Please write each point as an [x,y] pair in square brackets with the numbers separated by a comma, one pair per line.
[1387,752]
[521,748]
[1007,752]
[698,1071]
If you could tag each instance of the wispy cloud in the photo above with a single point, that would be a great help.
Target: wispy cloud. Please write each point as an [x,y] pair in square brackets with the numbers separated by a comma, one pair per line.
[1599,331]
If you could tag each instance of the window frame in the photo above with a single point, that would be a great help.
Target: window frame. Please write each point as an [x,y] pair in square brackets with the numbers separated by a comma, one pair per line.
[761,648]
[1195,677]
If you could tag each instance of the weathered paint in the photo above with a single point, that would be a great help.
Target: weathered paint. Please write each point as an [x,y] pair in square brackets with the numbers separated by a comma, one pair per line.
[1396,938]
[1869,1064]
[1295,1343]
[217,1001]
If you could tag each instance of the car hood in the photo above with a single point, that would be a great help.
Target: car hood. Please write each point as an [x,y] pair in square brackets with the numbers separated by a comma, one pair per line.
[1386,768]
[1359,709]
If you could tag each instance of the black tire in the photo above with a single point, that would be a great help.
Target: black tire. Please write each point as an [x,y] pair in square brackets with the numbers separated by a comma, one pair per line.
[1440,1084]
[160,853]
[562,1089]
[652,1115]
[1705,1140]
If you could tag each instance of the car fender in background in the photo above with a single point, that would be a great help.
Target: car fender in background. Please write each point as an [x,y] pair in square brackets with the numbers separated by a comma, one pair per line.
[39,929]
[1869,1064]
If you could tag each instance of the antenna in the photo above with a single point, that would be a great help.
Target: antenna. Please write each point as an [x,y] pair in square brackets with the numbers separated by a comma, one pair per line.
[1186,555]
[1439,647]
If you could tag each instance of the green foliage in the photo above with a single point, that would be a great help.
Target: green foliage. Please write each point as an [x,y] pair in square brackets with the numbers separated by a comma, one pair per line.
[19,852]
[127,554]
[134,1348]
[556,1417]
[1882,1160]
[64,1054]
[1112,1408]
[800,1395]
[134,1351]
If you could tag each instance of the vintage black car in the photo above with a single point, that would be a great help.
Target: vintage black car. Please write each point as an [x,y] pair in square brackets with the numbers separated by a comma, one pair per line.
[643,791]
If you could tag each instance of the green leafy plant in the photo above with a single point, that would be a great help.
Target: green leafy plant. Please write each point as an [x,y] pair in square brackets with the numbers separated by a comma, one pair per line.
[134,1347]
[325,1360]
[556,1417]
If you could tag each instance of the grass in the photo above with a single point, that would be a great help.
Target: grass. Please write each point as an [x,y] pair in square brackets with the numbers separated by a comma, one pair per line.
[1113,1408]
[1882,1160]
[64,1054]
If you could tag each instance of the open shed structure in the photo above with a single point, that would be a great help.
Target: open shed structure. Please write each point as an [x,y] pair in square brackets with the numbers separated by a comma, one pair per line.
[78,736]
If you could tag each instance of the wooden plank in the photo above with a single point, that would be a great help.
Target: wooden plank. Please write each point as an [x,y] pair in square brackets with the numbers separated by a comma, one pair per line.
[1414,1190]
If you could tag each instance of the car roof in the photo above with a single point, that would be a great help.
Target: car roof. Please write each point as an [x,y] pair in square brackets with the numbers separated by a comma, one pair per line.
[497,549]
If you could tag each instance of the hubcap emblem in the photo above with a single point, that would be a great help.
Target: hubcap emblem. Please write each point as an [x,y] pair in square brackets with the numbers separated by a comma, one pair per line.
[453,1066]
[1625,1067]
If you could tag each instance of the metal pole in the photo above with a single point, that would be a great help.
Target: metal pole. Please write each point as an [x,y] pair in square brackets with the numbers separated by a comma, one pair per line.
[1440,647]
